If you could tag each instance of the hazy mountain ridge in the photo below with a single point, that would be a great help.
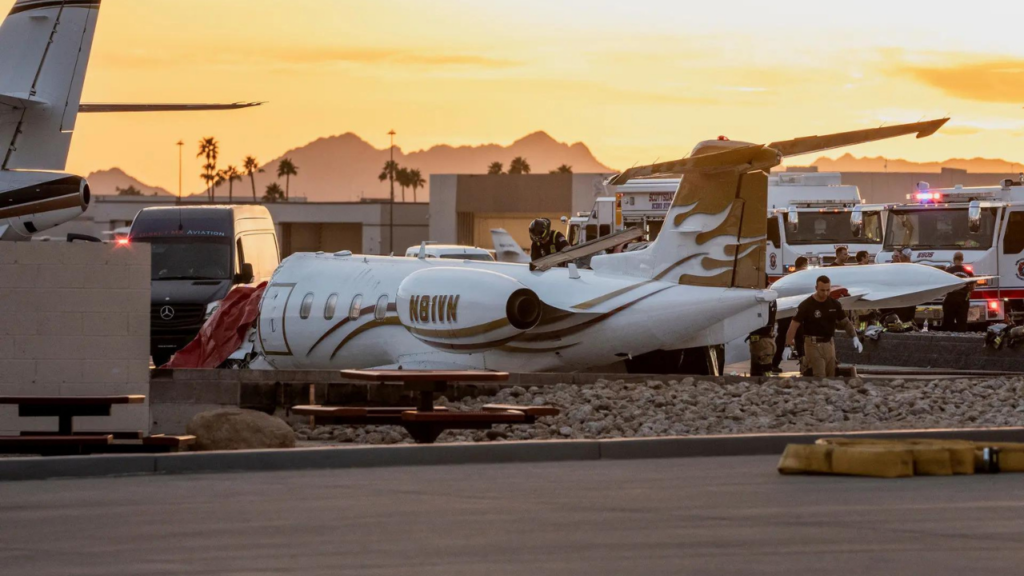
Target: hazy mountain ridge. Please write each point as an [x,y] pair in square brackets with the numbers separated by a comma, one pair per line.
[346,167]
[850,163]
[106,182]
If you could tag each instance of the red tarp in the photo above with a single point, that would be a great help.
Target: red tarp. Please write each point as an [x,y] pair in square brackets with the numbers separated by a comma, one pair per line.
[223,332]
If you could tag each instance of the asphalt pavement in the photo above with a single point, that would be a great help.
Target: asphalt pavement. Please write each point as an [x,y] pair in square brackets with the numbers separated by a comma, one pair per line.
[677,516]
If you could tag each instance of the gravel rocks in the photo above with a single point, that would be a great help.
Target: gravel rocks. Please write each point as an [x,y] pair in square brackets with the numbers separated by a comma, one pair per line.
[697,407]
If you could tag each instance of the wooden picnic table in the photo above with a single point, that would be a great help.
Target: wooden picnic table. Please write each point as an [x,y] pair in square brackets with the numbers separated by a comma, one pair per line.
[426,422]
[66,408]
[69,441]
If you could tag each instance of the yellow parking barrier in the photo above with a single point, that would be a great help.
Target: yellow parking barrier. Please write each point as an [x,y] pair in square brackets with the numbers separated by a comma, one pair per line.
[874,461]
[899,458]
[806,459]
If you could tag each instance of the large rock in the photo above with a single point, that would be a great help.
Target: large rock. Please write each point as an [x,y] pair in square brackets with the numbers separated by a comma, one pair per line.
[237,429]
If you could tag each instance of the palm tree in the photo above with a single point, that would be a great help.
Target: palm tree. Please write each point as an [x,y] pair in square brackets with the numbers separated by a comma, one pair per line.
[230,175]
[495,168]
[416,181]
[563,169]
[519,165]
[274,193]
[404,180]
[287,169]
[251,167]
[209,149]
[389,172]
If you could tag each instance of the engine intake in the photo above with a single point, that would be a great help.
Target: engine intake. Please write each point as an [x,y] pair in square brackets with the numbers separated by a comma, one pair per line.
[466,310]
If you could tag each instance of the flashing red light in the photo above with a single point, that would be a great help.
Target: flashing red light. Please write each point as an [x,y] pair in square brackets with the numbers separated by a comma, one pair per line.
[723,139]
[928,196]
[122,242]
[969,268]
[993,304]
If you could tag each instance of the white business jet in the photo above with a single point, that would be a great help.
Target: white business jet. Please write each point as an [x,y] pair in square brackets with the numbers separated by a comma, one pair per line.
[700,283]
[44,53]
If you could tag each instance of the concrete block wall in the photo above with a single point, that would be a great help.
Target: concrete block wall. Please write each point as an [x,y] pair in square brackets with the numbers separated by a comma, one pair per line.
[74,320]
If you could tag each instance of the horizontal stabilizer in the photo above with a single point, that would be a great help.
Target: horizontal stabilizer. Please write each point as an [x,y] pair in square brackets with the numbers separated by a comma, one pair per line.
[103,107]
[808,144]
[587,248]
[741,157]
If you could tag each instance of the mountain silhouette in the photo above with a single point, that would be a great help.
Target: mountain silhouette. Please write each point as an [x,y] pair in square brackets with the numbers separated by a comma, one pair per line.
[345,168]
[106,182]
[850,163]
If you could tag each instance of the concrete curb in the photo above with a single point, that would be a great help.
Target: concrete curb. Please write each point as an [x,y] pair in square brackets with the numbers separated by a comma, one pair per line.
[448,454]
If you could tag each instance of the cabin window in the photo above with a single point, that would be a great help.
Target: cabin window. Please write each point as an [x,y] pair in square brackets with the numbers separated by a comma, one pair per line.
[356,308]
[330,306]
[382,308]
[1013,242]
[604,230]
[307,305]
[591,232]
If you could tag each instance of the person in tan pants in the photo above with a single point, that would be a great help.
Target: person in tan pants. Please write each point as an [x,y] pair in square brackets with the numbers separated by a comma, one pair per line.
[819,315]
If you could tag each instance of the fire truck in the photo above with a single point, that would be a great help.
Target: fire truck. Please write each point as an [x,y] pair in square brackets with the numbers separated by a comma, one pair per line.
[809,215]
[985,223]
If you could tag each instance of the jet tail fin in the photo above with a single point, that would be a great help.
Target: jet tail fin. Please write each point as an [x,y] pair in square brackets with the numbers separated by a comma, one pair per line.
[715,230]
[506,249]
[45,46]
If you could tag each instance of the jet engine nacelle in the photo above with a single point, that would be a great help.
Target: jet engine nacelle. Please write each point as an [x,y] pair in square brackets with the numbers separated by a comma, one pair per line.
[466,310]
[31,202]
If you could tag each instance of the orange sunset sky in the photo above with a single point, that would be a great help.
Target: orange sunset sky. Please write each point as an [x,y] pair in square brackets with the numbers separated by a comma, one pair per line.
[635,80]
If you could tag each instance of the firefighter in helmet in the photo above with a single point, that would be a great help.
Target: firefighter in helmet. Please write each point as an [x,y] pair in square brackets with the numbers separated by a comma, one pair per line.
[545,240]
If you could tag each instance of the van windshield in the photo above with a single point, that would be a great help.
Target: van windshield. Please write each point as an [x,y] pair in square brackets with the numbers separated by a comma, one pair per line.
[833,228]
[929,228]
[190,258]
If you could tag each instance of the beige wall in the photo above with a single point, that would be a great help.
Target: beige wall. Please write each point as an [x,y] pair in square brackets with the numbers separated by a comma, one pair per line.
[74,321]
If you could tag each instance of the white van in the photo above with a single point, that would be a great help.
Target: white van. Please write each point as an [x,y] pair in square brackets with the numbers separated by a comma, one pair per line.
[451,252]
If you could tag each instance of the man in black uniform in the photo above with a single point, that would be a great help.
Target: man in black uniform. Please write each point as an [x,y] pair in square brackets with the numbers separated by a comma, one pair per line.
[863,258]
[841,256]
[545,240]
[956,303]
[819,315]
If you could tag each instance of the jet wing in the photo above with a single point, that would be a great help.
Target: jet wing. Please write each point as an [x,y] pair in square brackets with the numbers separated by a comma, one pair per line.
[870,287]
[99,108]
[786,307]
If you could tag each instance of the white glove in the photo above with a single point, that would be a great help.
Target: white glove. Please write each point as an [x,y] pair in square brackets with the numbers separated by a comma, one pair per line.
[857,345]
[787,353]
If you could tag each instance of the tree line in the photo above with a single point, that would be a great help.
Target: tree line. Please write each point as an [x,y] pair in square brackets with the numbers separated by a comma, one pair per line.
[209,149]
[519,165]
[404,177]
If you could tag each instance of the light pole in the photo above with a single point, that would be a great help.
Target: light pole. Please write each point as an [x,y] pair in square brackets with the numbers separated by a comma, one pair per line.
[391,177]
[181,143]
